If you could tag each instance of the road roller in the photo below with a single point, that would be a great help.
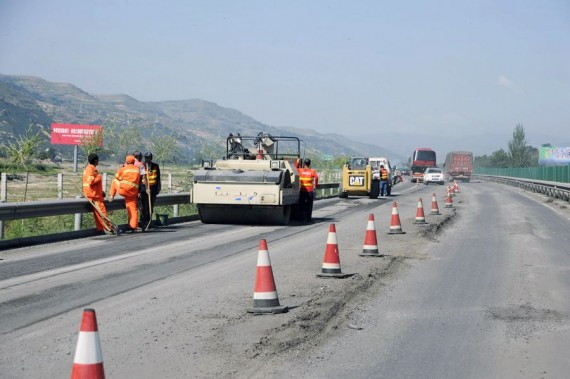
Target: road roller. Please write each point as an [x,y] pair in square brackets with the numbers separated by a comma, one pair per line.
[256,182]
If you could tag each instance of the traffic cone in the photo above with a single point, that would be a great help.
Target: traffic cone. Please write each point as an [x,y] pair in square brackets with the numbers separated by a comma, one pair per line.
[455,186]
[265,299]
[451,190]
[420,217]
[331,260]
[88,360]
[370,248]
[395,225]
[434,207]
[448,201]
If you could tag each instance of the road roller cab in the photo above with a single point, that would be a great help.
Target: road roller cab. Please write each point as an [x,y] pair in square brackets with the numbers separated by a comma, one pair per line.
[255,185]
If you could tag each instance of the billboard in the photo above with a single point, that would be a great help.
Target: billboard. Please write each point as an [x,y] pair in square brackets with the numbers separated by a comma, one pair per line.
[553,156]
[71,134]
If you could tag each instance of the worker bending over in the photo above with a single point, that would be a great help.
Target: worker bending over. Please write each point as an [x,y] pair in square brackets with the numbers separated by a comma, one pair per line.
[93,190]
[308,181]
[126,183]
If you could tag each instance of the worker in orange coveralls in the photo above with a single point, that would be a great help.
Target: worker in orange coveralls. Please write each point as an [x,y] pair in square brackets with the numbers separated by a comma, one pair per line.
[93,190]
[126,183]
[308,182]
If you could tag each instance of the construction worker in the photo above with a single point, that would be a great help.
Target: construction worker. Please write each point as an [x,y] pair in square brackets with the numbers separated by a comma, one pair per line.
[397,176]
[126,183]
[308,181]
[139,163]
[93,190]
[383,181]
[152,190]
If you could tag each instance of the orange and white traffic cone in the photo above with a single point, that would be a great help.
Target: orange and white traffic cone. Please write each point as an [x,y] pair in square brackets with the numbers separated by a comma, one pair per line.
[331,260]
[265,299]
[395,225]
[420,216]
[448,201]
[455,186]
[451,190]
[434,207]
[88,360]
[370,248]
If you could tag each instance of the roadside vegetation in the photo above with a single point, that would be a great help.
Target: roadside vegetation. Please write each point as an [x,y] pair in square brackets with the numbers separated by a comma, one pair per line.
[518,153]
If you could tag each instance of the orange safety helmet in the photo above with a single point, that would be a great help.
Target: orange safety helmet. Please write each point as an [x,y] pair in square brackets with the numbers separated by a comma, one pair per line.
[130,159]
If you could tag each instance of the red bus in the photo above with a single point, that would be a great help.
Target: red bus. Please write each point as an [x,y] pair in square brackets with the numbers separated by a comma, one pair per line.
[422,158]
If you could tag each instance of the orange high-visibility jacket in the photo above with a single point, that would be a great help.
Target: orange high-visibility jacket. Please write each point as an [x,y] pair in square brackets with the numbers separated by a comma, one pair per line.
[306,176]
[92,185]
[126,181]
[383,174]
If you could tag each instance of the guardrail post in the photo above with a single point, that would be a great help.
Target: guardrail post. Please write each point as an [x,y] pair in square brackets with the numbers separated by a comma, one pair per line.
[3,196]
[169,183]
[4,187]
[60,186]
[104,182]
[78,218]
[175,210]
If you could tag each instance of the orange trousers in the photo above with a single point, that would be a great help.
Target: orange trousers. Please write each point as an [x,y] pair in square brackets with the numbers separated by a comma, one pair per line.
[131,203]
[99,222]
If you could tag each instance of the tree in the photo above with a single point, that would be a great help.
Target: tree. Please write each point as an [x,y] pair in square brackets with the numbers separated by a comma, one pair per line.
[165,148]
[212,150]
[519,155]
[122,141]
[532,153]
[22,152]
[93,143]
[500,158]
[482,161]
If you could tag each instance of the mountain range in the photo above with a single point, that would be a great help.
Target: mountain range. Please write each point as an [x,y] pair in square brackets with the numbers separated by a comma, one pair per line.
[27,100]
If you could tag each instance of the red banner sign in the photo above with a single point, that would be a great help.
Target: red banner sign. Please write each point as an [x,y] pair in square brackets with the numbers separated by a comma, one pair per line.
[71,134]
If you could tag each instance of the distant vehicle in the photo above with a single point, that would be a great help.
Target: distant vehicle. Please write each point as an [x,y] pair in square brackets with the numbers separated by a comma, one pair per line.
[459,165]
[422,158]
[433,175]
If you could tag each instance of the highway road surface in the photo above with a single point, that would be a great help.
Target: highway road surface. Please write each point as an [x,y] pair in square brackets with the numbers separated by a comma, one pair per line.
[481,291]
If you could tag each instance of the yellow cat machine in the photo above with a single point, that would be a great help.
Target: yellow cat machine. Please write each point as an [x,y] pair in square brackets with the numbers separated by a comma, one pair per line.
[250,187]
[357,179]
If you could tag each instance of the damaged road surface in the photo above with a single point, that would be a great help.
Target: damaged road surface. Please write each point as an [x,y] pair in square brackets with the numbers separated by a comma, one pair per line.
[489,301]
[478,292]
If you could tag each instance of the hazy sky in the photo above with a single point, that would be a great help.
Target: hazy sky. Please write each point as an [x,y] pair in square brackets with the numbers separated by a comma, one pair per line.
[454,67]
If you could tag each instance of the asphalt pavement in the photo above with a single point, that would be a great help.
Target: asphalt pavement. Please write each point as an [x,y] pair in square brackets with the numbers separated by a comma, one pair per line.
[491,301]
[480,291]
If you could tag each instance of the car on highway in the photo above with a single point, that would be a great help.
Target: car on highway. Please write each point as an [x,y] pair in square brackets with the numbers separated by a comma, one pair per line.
[433,175]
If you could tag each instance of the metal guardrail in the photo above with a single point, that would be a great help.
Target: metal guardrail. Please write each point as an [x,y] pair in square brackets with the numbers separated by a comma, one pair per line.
[32,209]
[553,189]
[559,174]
